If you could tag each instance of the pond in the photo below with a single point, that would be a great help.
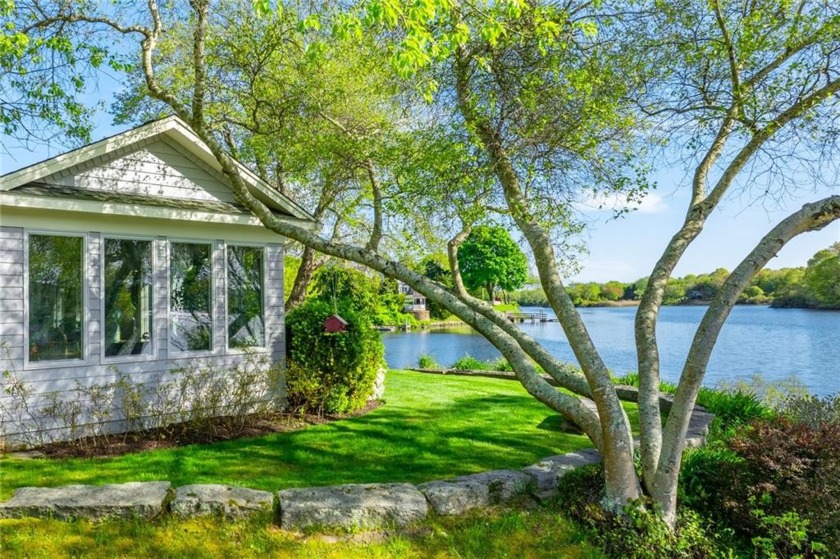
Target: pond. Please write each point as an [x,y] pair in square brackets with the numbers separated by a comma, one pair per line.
[776,343]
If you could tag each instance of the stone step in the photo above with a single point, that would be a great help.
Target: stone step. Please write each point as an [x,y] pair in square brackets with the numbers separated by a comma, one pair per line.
[95,502]
[547,472]
[221,500]
[461,494]
[352,506]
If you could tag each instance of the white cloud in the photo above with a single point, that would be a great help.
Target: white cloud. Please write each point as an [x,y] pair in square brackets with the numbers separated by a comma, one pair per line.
[652,203]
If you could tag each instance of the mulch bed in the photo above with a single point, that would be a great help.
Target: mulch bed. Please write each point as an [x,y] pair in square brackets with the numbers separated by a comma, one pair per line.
[183,434]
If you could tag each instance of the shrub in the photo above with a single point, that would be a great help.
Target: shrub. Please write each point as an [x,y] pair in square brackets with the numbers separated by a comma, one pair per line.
[470,363]
[500,364]
[771,393]
[789,467]
[637,532]
[201,399]
[427,362]
[732,409]
[812,410]
[330,373]
[771,482]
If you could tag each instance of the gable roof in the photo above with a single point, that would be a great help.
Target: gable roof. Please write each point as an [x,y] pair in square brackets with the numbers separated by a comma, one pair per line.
[171,128]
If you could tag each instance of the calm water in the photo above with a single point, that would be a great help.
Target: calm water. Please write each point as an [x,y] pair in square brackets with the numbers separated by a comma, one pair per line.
[774,342]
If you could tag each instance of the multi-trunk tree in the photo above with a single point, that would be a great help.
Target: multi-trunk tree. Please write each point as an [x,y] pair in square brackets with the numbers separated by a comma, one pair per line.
[553,103]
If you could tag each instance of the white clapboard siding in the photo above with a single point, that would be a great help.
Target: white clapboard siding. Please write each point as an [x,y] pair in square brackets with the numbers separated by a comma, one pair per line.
[275,324]
[11,298]
[44,377]
[158,169]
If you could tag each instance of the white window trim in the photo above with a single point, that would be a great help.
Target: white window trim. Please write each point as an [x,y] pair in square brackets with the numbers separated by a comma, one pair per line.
[173,352]
[54,363]
[257,348]
[153,356]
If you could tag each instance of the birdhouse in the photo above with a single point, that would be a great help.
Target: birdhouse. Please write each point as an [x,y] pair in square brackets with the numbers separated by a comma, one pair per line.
[335,324]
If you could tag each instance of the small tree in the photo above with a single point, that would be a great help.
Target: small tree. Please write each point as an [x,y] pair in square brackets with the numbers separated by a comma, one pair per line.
[490,258]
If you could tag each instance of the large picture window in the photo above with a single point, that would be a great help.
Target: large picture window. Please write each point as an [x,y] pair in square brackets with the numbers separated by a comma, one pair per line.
[128,297]
[191,296]
[56,314]
[246,326]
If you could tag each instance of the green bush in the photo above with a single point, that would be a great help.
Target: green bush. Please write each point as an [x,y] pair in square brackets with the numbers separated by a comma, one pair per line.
[500,364]
[330,373]
[732,409]
[637,532]
[470,363]
[772,482]
[427,362]
[812,410]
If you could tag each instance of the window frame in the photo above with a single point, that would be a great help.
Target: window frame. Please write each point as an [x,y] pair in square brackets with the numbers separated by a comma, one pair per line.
[258,348]
[155,334]
[86,315]
[172,351]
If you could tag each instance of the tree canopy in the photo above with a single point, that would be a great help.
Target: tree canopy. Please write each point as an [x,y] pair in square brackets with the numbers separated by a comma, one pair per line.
[490,258]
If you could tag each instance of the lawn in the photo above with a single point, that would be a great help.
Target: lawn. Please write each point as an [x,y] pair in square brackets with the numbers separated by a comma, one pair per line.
[542,533]
[430,427]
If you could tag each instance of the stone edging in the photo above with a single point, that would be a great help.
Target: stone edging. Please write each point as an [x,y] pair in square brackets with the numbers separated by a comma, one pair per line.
[352,506]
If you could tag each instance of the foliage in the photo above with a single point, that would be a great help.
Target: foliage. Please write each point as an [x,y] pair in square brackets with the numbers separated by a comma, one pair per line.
[636,532]
[490,258]
[331,373]
[435,271]
[470,363]
[776,482]
[291,264]
[733,409]
[530,297]
[337,283]
[814,286]
[771,393]
[812,410]
[199,395]
[427,362]
[822,278]
[558,104]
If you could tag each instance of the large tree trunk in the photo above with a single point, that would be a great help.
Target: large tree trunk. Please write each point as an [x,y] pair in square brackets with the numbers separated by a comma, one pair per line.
[809,218]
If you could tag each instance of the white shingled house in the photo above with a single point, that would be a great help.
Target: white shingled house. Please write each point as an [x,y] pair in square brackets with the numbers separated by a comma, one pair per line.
[132,254]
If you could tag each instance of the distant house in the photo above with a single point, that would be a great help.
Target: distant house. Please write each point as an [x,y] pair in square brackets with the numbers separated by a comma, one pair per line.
[415,303]
[132,253]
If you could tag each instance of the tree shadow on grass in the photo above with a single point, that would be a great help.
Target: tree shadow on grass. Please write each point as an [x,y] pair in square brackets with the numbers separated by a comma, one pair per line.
[461,435]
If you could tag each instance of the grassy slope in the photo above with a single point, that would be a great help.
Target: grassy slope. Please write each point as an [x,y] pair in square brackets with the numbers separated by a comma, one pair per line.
[430,427]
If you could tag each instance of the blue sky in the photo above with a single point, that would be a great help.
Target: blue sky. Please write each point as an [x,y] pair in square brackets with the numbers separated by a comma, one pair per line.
[623,249]
[627,248]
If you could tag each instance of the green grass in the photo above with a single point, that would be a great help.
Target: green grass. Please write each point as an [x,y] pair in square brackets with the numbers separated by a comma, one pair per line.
[430,427]
[543,533]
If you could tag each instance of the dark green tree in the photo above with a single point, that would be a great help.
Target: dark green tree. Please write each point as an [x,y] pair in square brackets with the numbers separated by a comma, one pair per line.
[490,258]
[822,278]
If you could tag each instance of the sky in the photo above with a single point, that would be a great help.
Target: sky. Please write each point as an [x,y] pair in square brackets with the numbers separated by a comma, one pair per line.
[623,249]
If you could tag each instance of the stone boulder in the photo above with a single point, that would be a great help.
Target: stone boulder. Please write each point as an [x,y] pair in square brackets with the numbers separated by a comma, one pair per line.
[96,502]
[222,500]
[477,491]
[352,506]
[547,472]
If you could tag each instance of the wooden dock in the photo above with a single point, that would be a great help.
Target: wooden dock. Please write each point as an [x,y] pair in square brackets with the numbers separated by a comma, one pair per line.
[527,317]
